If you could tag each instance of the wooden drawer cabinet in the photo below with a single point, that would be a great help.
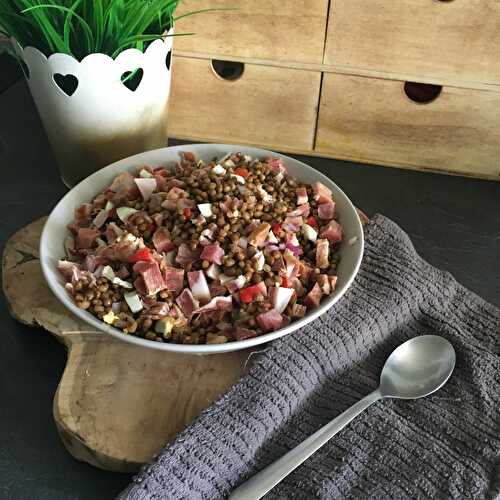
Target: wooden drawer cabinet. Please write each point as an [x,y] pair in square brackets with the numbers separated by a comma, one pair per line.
[291,30]
[374,120]
[456,40]
[270,106]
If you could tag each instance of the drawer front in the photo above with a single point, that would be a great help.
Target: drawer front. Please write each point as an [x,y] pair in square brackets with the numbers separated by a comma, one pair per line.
[266,106]
[457,40]
[375,121]
[293,30]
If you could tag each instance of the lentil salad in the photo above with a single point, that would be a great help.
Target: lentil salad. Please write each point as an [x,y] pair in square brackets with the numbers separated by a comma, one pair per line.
[203,253]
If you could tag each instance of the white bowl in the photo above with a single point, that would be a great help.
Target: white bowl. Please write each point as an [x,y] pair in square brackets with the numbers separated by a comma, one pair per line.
[55,232]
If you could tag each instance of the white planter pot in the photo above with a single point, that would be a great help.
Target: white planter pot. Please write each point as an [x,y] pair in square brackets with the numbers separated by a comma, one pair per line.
[98,119]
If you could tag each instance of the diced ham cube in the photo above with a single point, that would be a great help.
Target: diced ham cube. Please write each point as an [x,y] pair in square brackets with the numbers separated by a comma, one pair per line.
[174,279]
[332,232]
[158,218]
[322,254]
[69,270]
[187,302]
[122,182]
[258,236]
[151,274]
[270,321]
[112,232]
[323,280]
[292,223]
[82,215]
[276,165]
[313,298]
[140,286]
[322,193]
[302,197]
[302,211]
[244,333]
[217,304]
[333,282]
[216,289]
[326,211]
[199,286]
[86,237]
[292,265]
[186,256]
[212,253]
[162,241]
[298,287]
[304,270]
[298,311]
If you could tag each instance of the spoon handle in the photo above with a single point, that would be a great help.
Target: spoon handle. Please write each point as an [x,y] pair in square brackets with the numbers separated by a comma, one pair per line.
[257,486]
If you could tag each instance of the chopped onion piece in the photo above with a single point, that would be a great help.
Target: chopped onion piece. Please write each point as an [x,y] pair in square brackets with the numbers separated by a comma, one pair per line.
[280,297]
[247,158]
[243,242]
[146,187]
[229,163]
[205,209]
[213,271]
[219,170]
[100,218]
[309,232]
[238,178]
[122,283]
[125,212]
[100,242]
[272,238]
[279,177]
[108,273]
[109,205]
[260,259]
[133,301]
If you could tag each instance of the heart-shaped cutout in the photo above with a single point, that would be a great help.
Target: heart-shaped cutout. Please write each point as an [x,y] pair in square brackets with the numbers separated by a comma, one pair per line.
[67,83]
[132,79]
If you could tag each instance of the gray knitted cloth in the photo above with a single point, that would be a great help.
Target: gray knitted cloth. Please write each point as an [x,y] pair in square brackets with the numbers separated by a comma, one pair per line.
[443,446]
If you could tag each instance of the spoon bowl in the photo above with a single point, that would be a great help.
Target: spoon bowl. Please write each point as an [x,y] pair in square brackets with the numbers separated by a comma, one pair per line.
[417,368]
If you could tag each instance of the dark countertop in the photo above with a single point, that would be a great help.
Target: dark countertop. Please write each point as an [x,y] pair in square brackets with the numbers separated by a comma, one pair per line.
[454,223]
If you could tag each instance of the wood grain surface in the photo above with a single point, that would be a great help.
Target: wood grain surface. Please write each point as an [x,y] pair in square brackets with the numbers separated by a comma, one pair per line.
[116,404]
[457,40]
[270,29]
[370,119]
[273,107]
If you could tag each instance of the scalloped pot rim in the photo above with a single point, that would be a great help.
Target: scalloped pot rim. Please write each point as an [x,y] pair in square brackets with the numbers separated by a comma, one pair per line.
[21,51]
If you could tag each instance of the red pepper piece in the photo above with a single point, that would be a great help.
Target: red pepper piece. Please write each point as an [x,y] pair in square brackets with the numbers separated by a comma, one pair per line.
[142,254]
[313,222]
[243,172]
[276,227]
[187,213]
[249,293]
[285,282]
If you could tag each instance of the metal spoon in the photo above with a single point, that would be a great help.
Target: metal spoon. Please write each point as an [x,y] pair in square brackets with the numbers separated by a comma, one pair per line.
[415,369]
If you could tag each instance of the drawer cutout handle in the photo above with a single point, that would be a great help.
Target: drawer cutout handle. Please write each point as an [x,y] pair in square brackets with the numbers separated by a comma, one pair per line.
[422,93]
[228,70]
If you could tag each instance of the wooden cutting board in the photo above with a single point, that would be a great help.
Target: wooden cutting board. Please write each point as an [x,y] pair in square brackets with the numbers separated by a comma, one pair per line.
[116,404]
